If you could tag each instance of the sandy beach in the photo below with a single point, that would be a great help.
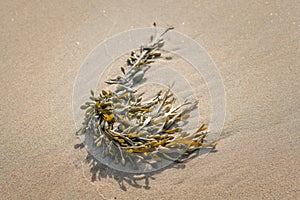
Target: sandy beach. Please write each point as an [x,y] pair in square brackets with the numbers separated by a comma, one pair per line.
[255,47]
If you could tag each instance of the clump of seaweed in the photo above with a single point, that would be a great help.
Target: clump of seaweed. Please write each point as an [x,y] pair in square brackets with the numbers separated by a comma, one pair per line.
[131,130]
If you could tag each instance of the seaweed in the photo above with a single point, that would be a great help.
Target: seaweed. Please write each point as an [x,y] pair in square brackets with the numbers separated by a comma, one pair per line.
[132,131]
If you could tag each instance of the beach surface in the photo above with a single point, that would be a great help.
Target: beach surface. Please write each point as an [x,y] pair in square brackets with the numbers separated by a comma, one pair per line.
[255,46]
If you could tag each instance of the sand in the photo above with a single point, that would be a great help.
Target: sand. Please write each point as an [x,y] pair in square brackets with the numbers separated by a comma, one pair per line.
[254,44]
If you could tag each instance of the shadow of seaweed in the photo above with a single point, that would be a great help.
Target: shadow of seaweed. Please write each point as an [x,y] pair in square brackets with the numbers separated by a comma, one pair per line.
[100,171]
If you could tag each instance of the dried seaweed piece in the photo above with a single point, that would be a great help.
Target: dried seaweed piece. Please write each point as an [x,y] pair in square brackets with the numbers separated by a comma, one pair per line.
[130,130]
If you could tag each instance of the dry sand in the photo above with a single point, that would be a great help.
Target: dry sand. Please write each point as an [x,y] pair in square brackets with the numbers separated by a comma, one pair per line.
[254,44]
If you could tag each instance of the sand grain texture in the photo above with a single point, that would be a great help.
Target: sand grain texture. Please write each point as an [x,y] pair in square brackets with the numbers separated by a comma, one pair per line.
[255,45]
